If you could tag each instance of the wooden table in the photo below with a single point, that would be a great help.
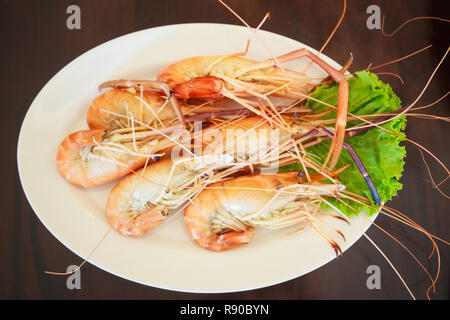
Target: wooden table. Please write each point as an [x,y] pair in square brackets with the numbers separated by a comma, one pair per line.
[36,44]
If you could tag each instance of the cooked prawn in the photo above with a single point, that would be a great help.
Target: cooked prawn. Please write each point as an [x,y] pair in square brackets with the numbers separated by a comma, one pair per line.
[233,76]
[225,214]
[143,200]
[148,85]
[90,158]
[148,107]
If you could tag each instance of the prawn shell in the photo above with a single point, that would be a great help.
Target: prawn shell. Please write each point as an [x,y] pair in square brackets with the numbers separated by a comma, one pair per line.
[247,194]
[203,87]
[94,172]
[100,114]
[116,200]
[145,186]
[243,201]
[186,69]
[206,66]
[238,196]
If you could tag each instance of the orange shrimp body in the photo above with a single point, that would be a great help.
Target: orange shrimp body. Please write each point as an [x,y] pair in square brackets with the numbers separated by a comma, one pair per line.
[206,77]
[235,77]
[115,108]
[224,215]
[66,159]
[90,158]
[142,201]
[253,139]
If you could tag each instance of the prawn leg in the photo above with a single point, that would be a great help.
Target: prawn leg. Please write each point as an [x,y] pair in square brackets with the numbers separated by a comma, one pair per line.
[342,105]
[354,155]
[223,216]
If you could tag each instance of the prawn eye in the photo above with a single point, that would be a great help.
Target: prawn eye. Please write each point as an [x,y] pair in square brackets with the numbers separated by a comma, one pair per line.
[183,168]
[167,190]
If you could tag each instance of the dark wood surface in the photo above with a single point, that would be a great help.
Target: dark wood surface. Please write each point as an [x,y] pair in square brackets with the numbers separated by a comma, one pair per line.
[36,44]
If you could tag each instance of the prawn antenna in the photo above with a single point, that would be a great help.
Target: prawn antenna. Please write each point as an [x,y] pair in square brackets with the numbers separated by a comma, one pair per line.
[84,261]
[254,32]
[400,59]
[407,22]
[331,35]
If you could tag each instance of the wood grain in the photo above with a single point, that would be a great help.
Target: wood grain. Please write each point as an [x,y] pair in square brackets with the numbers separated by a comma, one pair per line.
[36,44]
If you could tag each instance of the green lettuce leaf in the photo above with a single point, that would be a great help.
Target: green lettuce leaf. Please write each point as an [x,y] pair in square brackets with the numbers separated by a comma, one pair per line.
[380,151]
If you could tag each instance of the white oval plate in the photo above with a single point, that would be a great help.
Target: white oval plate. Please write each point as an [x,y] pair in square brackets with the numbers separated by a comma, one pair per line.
[166,257]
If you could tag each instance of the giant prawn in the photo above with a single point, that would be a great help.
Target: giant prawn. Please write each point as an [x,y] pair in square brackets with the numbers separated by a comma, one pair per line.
[225,214]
